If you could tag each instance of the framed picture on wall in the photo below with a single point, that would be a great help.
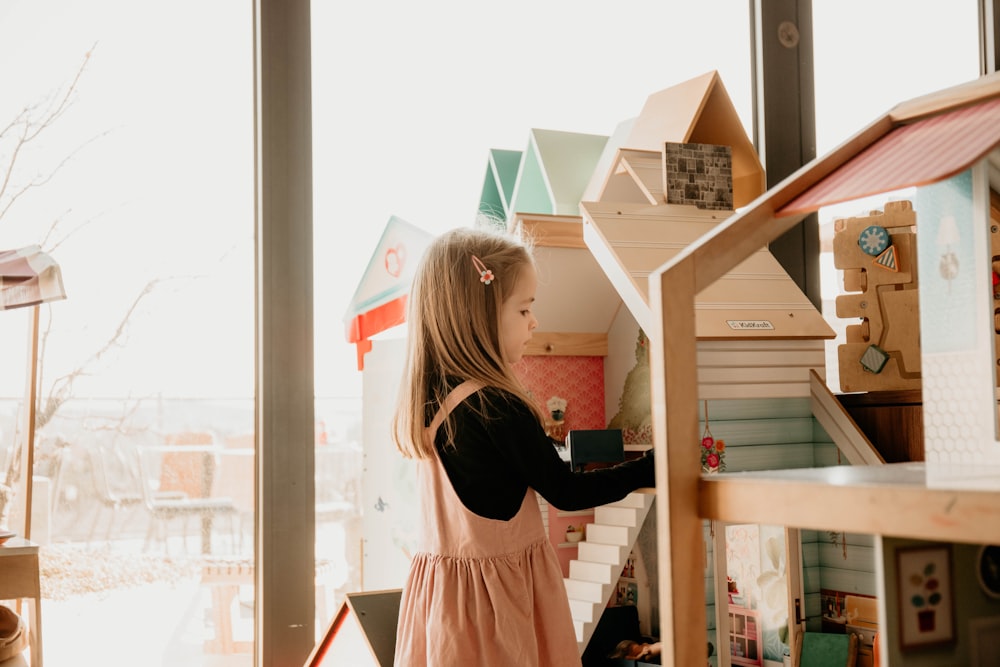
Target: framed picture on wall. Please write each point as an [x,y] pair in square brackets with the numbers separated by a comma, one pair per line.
[926,605]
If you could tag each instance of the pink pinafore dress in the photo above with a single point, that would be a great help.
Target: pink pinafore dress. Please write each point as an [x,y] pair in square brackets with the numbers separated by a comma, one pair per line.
[480,591]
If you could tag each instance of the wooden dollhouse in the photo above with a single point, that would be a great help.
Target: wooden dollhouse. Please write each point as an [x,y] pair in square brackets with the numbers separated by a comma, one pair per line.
[760,350]
[942,144]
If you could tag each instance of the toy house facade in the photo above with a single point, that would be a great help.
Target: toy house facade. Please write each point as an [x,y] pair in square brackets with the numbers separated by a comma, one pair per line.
[942,508]
[760,354]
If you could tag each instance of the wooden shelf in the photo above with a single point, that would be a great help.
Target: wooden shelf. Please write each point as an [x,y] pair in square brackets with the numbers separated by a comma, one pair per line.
[745,641]
[892,500]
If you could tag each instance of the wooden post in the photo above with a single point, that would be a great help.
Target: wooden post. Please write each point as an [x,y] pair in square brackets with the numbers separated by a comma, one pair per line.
[27,430]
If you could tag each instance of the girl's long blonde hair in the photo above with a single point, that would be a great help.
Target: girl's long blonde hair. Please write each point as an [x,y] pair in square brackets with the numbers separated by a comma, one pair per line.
[453,328]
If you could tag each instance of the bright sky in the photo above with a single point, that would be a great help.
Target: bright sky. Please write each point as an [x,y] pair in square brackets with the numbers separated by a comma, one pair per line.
[409,98]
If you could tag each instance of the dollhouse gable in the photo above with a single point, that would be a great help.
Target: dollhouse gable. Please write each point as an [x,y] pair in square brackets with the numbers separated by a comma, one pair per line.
[756,300]
[632,230]
[379,301]
[498,184]
[554,171]
[696,111]
[615,184]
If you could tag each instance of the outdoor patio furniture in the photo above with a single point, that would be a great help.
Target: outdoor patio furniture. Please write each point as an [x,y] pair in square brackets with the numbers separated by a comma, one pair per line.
[225,576]
[164,509]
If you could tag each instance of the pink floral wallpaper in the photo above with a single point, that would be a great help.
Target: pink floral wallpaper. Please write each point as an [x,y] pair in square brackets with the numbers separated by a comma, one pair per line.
[580,380]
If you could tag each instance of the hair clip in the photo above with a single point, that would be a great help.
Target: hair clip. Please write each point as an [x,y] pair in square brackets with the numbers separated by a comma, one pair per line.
[485,275]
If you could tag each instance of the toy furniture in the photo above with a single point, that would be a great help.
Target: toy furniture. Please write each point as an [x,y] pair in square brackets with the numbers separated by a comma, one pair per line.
[821,649]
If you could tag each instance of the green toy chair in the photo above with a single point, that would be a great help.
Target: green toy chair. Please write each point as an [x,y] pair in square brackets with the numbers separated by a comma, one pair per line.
[825,649]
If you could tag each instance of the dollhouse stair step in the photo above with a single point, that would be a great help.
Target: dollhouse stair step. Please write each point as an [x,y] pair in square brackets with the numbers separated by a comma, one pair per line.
[622,536]
[584,630]
[587,591]
[619,516]
[638,500]
[581,610]
[601,556]
[600,573]
[595,552]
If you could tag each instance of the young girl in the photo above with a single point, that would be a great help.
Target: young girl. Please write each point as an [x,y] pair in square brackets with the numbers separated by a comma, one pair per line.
[485,587]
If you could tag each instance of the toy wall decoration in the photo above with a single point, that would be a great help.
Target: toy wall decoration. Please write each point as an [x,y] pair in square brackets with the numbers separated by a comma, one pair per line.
[877,254]
[698,174]
[957,313]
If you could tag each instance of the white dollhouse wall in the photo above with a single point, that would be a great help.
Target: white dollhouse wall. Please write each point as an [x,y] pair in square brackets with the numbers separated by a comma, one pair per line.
[957,332]
[388,481]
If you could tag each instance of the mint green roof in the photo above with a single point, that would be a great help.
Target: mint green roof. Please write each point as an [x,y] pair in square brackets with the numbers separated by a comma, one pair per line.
[498,185]
[555,171]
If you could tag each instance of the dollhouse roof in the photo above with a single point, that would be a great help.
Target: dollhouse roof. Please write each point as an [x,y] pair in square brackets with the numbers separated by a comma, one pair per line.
[379,301]
[632,231]
[918,143]
[695,111]
[554,172]
[599,179]
[498,185]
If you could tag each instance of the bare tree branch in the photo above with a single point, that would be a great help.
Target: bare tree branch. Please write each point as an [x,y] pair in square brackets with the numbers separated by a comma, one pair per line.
[62,387]
[15,139]
[25,128]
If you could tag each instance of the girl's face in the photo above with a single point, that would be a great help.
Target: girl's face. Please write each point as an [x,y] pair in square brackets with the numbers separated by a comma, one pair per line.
[516,319]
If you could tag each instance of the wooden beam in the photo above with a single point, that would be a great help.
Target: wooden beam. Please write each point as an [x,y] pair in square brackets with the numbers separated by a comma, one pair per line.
[681,546]
[840,426]
[977,90]
[25,483]
[553,343]
[853,499]
[551,231]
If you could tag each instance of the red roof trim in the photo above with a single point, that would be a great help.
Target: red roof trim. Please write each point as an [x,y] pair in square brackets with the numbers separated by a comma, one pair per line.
[378,319]
[365,325]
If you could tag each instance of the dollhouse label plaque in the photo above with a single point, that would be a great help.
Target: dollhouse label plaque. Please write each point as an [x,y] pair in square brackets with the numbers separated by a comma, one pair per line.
[749,325]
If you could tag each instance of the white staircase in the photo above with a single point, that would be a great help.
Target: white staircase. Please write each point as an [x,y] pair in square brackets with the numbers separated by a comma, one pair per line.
[594,574]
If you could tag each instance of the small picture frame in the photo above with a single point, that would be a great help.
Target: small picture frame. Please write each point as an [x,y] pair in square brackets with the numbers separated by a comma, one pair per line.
[988,570]
[925,596]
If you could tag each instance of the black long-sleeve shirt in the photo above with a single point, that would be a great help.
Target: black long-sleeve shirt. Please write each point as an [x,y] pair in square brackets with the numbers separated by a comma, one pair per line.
[496,458]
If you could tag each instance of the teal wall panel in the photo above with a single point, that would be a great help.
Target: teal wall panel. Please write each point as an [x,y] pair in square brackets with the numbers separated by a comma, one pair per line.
[531,193]
[767,434]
